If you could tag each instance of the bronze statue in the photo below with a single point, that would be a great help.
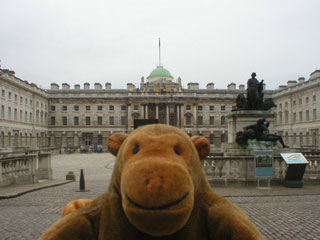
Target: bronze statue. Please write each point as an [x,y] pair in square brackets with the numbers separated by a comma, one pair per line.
[258,131]
[254,100]
[254,93]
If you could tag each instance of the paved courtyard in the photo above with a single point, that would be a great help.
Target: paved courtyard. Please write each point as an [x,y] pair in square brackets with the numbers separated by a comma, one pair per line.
[279,214]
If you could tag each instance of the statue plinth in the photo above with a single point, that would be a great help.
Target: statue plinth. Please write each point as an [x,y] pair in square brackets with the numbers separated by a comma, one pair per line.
[237,120]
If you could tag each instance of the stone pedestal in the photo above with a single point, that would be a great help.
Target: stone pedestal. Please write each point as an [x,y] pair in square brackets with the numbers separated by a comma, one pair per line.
[44,170]
[237,120]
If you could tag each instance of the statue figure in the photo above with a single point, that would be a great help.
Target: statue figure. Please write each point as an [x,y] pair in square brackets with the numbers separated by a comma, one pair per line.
[241,102]
[258,131]
[254,93]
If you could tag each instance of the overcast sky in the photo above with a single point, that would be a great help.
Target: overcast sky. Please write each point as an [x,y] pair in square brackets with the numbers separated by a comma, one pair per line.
[220,41]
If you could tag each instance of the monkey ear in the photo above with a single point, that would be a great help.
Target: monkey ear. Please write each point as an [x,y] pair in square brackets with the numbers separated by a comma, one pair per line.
[114,142]
[202,144]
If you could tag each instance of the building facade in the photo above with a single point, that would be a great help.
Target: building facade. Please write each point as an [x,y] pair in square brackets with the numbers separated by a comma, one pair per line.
[81,117]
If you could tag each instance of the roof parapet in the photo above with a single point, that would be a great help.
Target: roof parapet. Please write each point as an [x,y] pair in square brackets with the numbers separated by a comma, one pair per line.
[97,86]
[193,85]
[65,86]
[210,86]
[86,85]
[231,86]
[291,83]
[54,86]
[108,86]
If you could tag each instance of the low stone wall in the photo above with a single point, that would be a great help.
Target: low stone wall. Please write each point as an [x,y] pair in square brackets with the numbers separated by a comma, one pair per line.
[239,170]
[24,167]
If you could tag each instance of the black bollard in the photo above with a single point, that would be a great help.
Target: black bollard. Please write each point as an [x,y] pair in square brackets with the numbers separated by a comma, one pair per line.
[82,182]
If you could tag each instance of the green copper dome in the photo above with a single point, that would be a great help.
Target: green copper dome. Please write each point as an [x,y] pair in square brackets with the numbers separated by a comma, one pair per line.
[159,72]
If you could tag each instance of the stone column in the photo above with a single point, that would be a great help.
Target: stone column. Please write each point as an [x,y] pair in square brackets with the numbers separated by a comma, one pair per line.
[195,118]
[146,112]
[157,111]
[143,111]
[167,113]
[182,116]
[178,115]
[129,117]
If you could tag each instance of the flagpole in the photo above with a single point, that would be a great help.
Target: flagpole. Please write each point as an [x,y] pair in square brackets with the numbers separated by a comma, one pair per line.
[159,54]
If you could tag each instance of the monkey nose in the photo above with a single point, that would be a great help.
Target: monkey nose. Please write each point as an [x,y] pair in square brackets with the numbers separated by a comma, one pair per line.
[154,184]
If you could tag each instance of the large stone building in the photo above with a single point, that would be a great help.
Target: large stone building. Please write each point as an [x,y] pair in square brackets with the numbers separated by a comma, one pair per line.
[81,116]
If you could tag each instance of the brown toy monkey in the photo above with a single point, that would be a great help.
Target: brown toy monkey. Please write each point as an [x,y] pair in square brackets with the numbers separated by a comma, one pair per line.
[75,205]
[158,191]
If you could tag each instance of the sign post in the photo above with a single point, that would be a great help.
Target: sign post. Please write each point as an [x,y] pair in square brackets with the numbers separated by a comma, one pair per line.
[263,165]
[297,164]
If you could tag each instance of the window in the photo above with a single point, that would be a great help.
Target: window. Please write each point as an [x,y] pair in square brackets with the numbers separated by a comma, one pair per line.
[30,117]
[314,114]
[111,120]
[300,116]
[87,120]
[123,120]
[223,137]
[307,115]
[111,108]
[223,108]
[200,120]
[30,102]
[294,102]
[286,104]
[211,107]
[211,120]
[223,120]
[26,101]
[53,108]
[280,118]
[300,101]
[21,115]
[2,111]
[211,138]
[314,98]
[294,117]
[25,116]
[200,108]
[188,107]
[21,100]
[76,120]
[307,100]
[123,108]
[135,107]
[3,93]
[76,108]
[52,121]
[41,105]
[88,109]
[188,120]
[100,108]
[15,114]
[37,104]
[9,113]
[64,108]
[280,105]
[286,117]
[15,97]
[99,139]
[99,120]
[64,121]
[9,96]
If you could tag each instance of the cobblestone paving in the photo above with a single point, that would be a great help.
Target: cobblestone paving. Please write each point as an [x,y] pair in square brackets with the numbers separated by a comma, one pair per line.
[28,216]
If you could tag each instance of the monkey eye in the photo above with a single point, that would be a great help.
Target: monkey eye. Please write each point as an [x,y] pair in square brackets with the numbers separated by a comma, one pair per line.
[136,149]
[177,150]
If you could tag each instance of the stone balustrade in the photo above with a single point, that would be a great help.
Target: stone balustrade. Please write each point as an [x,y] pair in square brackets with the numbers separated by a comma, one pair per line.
[240,170]
[17,169]
[26,167]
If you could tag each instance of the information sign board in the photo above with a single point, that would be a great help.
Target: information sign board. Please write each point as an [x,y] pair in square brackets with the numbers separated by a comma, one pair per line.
[294,158]
[263,164]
